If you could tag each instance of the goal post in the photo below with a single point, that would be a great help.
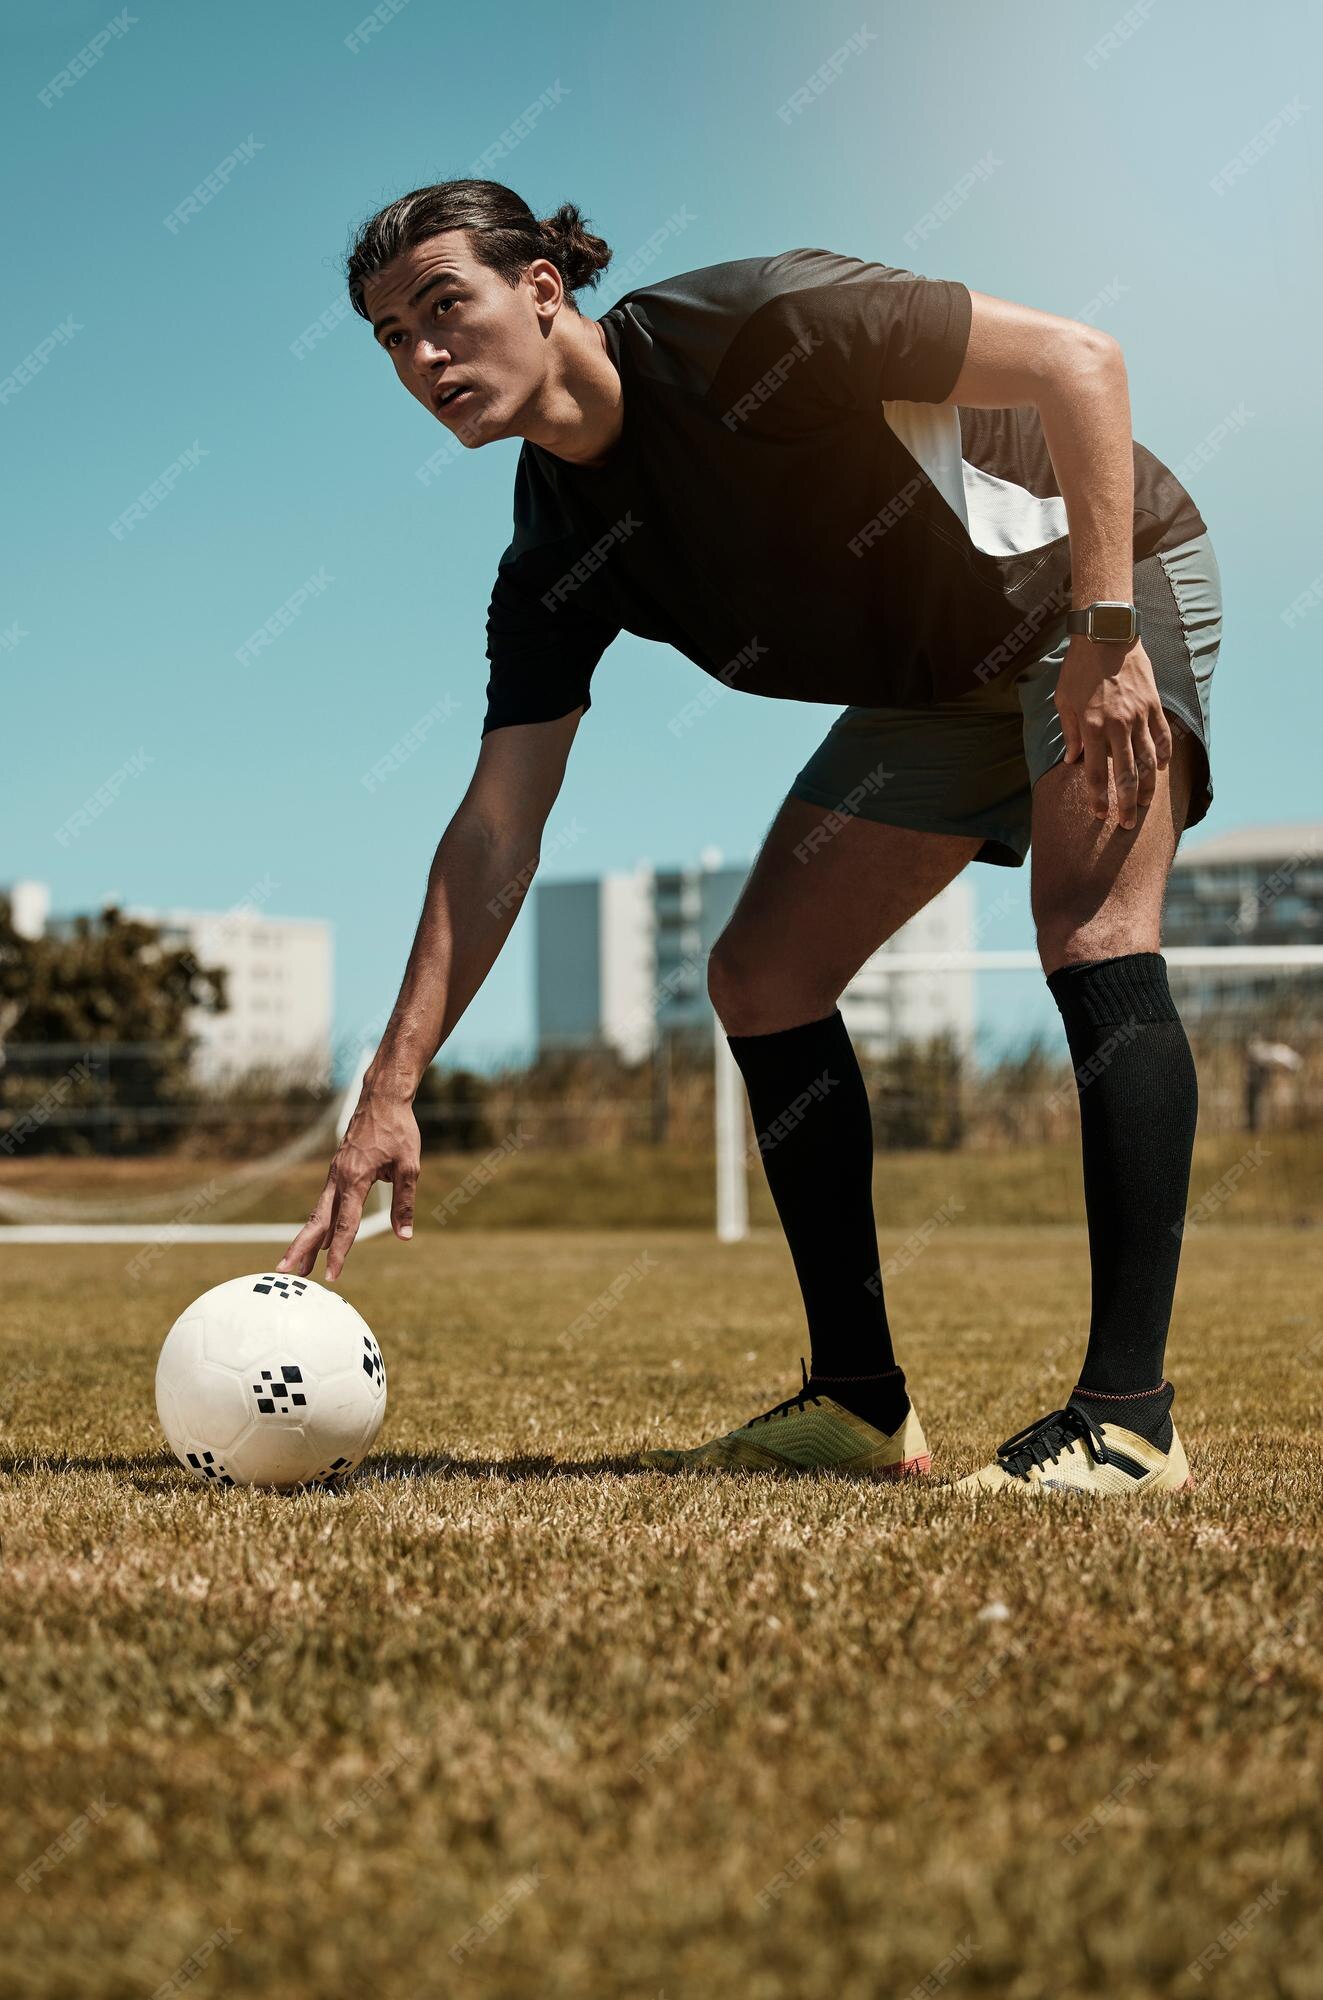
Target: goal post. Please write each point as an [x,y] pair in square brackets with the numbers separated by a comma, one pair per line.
[375,1218]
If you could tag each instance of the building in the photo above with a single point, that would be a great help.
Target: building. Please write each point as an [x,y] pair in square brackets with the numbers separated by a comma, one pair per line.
[1260,886]
[278,985]
[621,961]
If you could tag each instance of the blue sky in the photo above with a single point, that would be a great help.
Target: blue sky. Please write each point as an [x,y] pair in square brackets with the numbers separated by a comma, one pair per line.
[1095,146]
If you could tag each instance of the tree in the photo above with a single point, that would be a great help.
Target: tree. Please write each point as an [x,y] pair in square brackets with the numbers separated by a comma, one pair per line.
[73,1000]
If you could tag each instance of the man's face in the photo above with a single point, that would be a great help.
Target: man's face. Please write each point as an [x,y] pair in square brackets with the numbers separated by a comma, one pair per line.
[448,322]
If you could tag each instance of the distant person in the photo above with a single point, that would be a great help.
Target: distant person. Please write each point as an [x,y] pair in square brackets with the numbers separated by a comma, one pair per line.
[829,480]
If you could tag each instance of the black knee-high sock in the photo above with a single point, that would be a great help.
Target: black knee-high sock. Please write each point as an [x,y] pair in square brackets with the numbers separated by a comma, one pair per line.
[815,1136]
[1138,1100]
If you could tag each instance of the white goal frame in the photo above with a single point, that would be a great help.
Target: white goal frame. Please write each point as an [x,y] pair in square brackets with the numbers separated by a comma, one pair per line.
[732,1221]
[375,1218]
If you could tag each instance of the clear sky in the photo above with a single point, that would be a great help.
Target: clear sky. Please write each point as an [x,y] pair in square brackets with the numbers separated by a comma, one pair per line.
[1080,158]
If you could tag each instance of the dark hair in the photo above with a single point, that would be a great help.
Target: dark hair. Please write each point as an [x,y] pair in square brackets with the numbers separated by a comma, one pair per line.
[503,230]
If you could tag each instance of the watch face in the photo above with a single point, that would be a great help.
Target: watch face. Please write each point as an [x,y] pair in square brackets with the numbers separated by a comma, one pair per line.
[1111,621]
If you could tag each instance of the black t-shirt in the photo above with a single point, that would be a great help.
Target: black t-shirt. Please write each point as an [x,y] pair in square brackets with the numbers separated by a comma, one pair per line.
[789,507]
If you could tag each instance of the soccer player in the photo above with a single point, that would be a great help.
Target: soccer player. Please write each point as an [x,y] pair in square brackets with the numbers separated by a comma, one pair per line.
[825,479]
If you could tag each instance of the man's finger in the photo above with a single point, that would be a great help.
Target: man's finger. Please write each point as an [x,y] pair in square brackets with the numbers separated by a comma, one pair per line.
[1095,768]
[1160,730]
[1123,771]
[1146,764]
[1070,730]
[344,1230]
[302,1252]
[402,1199]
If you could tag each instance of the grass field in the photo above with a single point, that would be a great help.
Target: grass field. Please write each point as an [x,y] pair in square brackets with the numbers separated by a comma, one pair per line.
[605,1733]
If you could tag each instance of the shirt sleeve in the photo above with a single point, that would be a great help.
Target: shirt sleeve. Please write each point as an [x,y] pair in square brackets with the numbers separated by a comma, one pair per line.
[875,332]
[546,628]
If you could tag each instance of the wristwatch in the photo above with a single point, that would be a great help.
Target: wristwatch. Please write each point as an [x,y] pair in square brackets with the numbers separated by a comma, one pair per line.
[1108,619]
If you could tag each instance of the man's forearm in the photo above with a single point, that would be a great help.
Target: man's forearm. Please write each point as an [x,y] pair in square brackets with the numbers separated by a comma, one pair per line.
[1085,413]
[475,888]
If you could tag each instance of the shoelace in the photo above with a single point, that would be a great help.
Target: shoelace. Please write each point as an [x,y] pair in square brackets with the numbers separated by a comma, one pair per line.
[791,1402]
[1042,1443]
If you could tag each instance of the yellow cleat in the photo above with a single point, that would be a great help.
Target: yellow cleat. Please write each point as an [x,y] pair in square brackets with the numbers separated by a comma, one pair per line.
[806,1433]
[1067,1452]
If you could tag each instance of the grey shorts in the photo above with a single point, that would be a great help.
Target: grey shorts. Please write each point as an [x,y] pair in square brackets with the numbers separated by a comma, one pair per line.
[969,766]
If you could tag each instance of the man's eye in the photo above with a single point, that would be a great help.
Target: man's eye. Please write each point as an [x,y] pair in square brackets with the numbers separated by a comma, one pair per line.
[446,302]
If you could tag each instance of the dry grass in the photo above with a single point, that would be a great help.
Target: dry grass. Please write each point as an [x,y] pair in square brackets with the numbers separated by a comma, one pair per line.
[617,1707]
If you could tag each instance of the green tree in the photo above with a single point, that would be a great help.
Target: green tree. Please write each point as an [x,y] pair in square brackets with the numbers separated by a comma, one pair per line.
[75,999]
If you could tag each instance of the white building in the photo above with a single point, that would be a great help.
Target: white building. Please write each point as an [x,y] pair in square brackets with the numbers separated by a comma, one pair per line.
[1261,885]
[279,984]
[622,959]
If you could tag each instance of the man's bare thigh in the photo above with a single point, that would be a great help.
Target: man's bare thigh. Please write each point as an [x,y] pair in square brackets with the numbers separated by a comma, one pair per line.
[821,897]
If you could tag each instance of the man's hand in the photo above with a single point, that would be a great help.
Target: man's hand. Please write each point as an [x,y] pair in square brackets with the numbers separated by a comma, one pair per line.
[381,1144]
[1108,703]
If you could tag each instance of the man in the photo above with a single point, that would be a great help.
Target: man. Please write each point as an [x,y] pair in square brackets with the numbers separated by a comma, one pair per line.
[830,480]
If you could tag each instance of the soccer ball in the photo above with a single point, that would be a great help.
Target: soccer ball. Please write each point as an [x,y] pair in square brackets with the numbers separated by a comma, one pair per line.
[270,1381]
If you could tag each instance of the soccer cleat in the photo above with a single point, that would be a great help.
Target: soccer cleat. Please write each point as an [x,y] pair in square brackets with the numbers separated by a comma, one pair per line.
[1067,1452]
[807,1433]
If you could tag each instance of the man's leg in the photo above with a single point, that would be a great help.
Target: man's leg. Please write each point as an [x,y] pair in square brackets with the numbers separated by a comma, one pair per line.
[810,914]
[1097,898]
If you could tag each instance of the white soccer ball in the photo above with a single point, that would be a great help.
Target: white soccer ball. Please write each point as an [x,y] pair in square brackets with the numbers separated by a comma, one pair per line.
[270,1380]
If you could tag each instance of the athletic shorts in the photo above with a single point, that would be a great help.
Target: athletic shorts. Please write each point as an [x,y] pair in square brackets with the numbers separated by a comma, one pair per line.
[969,766]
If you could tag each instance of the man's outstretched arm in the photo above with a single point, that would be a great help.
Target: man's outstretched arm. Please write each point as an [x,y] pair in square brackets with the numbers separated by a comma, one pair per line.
[479,877]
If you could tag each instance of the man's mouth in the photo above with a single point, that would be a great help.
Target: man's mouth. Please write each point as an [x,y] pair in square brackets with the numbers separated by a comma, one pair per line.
[453,397]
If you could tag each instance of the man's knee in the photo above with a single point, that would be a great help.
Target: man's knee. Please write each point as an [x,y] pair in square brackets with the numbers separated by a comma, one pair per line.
[751,996]
[1073,929]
